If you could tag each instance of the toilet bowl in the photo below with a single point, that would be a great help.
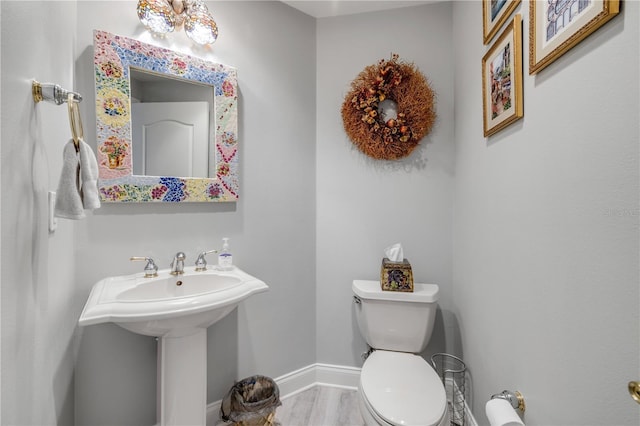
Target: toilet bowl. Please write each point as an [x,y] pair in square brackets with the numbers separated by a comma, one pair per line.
[398,387]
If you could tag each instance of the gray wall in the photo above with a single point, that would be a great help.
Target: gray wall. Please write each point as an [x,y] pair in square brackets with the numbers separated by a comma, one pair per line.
[38,269]
[545,269]
[364,205]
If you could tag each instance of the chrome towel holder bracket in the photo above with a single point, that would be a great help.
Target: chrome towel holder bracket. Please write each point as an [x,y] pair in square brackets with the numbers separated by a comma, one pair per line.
[54,93]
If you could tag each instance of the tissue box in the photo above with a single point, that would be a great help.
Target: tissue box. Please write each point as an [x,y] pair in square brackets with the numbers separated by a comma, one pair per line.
[396,276]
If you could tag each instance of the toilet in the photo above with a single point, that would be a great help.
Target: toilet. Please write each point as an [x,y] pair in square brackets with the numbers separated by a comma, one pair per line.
[397,386]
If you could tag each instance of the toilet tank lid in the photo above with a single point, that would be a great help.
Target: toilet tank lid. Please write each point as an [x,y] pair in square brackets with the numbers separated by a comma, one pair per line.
[369,289]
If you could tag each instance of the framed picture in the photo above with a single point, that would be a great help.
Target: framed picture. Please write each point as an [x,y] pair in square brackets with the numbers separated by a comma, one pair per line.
[555,26]
[494,14]
[502,80]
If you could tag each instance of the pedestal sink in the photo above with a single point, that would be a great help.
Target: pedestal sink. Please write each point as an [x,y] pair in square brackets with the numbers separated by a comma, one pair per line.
[176,309]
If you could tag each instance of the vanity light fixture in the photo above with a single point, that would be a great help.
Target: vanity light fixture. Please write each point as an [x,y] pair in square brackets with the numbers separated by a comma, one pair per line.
[164,16]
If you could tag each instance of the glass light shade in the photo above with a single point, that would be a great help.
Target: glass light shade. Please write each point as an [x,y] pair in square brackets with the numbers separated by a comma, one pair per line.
[156,15]
[200,26]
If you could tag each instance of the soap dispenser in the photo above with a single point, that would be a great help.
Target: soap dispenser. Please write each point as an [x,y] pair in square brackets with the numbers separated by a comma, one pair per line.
[225,259]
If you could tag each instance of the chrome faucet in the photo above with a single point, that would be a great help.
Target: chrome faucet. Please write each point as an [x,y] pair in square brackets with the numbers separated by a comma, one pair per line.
[201,263]
[177,266]
[151,269]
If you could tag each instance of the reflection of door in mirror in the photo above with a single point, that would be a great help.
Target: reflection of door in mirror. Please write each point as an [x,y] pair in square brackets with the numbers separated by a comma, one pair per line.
[173,135]
[170,139]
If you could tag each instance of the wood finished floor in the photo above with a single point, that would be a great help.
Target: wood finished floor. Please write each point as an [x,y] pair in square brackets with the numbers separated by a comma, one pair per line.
[320,406]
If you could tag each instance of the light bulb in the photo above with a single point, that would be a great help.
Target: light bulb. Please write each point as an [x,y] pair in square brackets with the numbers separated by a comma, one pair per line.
[199,25]
[156,15]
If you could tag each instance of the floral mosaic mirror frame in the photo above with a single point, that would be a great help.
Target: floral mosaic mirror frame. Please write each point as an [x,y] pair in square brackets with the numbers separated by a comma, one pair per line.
[113,57]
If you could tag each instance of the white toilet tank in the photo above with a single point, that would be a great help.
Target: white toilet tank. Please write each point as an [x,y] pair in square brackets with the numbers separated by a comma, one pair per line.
[393,320]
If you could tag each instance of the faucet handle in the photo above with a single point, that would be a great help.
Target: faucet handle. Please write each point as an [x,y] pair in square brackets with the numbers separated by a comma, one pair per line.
[150,269]
[201,263]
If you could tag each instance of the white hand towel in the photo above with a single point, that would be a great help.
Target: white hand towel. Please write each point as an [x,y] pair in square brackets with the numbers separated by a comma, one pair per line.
[89,177]
[68,201]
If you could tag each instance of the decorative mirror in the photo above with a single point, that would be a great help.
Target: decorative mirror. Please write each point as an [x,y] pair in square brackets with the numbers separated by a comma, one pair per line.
[156,146]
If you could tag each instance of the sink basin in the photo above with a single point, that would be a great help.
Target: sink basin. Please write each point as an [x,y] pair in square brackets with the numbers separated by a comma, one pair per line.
[177,309]
[168,305]
[173,287]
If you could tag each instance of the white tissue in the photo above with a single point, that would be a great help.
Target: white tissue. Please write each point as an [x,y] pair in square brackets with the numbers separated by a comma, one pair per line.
[394,253]
[501,413]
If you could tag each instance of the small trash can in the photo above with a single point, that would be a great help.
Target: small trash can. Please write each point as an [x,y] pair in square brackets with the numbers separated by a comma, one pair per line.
[451,371]
[251,402]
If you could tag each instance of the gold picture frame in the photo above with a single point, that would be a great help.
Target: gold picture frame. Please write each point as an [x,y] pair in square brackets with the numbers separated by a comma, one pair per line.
[502,99]
[552,33]
[494,14]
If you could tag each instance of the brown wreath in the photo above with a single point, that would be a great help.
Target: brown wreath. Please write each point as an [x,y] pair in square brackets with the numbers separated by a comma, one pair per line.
[408,88]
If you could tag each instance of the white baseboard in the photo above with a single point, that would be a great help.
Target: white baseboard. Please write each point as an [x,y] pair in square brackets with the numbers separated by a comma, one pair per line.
[337,376]
[307,377]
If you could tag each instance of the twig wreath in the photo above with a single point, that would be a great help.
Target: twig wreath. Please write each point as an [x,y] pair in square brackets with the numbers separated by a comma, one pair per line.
[367,123]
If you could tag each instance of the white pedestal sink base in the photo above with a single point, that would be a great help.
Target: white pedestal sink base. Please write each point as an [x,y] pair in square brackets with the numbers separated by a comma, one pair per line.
[178,309]
[182,379]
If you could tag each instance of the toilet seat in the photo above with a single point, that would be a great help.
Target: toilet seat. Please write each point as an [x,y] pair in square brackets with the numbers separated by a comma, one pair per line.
[402,389]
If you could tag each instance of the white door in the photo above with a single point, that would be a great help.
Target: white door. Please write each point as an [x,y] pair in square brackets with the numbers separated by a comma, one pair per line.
[170,139]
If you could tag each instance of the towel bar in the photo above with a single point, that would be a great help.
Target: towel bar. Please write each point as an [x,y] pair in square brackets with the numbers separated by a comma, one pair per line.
[75,121]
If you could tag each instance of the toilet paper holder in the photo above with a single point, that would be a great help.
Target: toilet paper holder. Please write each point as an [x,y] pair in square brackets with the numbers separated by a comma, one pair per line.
[514,398]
